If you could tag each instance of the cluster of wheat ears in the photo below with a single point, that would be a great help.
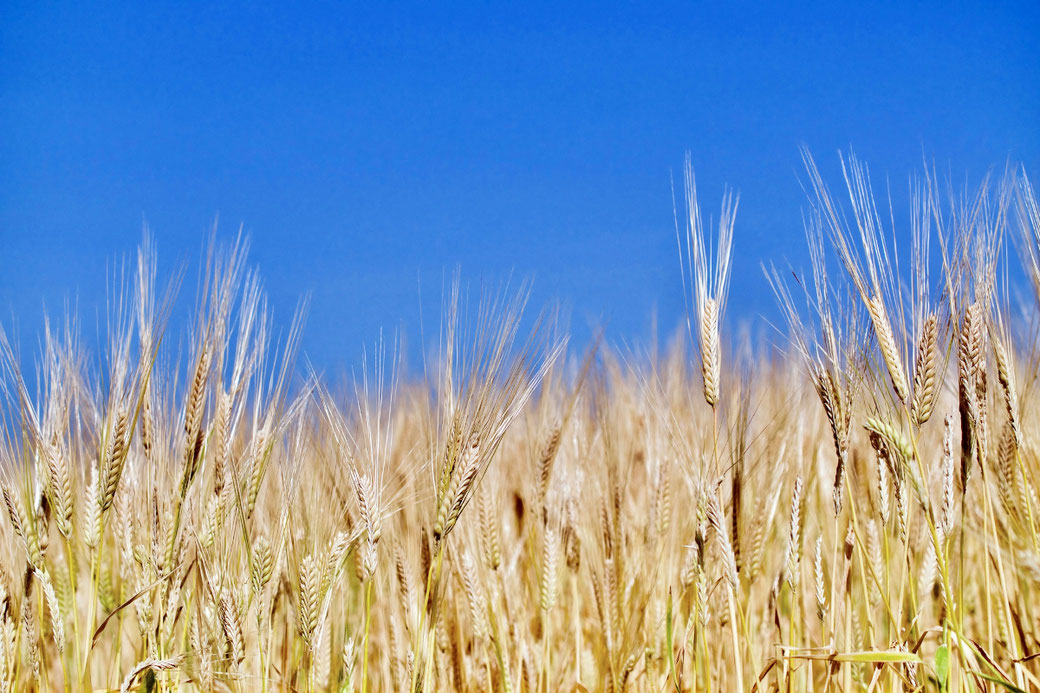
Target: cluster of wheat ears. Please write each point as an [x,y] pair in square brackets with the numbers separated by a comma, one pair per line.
[856,509]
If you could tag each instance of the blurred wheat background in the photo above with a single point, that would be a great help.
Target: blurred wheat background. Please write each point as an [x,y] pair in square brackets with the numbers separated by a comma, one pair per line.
[852,506]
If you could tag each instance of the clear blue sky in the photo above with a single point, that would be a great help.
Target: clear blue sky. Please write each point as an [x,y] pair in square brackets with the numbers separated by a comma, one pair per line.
[364,147]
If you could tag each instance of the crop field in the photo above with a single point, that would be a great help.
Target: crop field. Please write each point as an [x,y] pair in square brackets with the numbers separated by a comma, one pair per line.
[850,503]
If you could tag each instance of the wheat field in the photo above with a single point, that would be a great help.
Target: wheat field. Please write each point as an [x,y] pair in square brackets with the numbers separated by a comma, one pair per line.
[849,504]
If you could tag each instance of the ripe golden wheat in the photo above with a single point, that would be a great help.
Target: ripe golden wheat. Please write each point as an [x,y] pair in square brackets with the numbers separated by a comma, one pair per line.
[856,510]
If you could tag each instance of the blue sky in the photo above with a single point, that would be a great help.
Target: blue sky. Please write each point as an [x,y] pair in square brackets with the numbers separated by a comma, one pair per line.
[367,149]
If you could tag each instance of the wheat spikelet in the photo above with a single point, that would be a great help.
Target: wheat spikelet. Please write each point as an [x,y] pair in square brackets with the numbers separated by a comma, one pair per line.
[405,585]
[63,588]
[92,511]
[23,527]
[875,555]
[980,409]
[115,458]
[663,502]
[232,627]
[946,516]
[168,664]
[924,371]
[890,441]
[194,407]
[222,437]
[571,549]
[830,397]
[902,506]
[794,543]
[321,660]
[1006,378]
[367,558]
[611,597]
[339,546]
[348,657]
[124,526]
[474,596]
[489,530]
[821,598]
[629,666]
[689,567]
[550,567]
[458,490]
[969,353]
[883,489]
[714,515]
[57,620]
[31,637]
[259,459]
[309,599]
[887,344]
[1006,451]
[545,461]
[262,564]
[14,512]
[709,280]
[711,357]
[60,488]
[757,540]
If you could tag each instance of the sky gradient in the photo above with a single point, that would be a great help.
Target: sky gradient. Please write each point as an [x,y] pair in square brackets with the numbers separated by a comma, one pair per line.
[368,150]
